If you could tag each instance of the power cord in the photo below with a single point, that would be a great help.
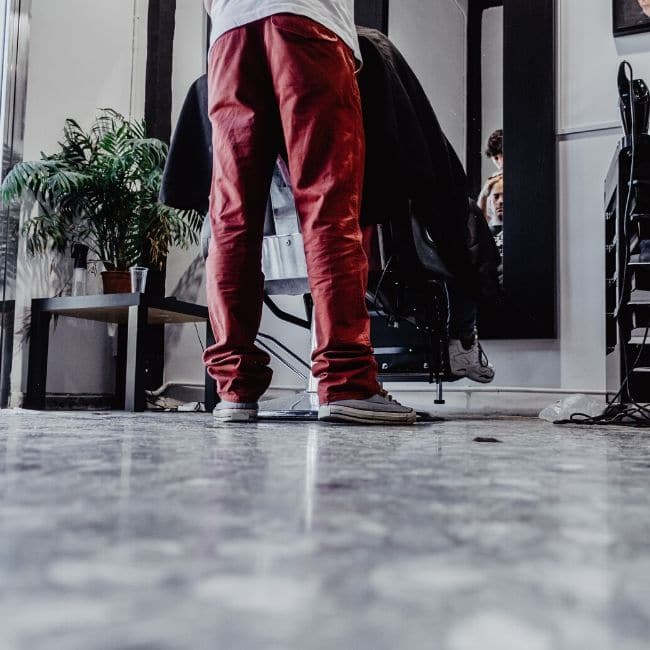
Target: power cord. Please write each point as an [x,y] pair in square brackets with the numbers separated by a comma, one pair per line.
[628,200]
[378,306]
[198,336]
[272,352]
[617,413]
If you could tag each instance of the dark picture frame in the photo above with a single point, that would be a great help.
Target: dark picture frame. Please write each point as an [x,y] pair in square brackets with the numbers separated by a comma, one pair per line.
[629,18]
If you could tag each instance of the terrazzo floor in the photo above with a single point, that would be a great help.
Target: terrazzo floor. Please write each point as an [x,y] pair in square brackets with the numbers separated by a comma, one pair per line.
[162,531]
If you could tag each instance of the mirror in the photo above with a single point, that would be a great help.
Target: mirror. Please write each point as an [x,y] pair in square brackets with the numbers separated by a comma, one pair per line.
[488,65]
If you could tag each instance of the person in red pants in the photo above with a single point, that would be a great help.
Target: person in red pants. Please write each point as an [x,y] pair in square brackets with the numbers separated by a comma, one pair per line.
[282,77]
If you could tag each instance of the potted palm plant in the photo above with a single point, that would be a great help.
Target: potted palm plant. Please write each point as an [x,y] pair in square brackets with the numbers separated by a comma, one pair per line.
[101,189]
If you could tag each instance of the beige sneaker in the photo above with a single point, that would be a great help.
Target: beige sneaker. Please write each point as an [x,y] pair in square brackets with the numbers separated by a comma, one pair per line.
[471,363]
[235,412]
[378,409]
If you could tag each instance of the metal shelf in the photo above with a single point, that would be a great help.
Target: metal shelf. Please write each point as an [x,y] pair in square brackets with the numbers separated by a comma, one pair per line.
[627,277]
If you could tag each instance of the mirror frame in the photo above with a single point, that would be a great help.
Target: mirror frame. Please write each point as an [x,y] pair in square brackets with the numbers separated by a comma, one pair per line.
[530,309]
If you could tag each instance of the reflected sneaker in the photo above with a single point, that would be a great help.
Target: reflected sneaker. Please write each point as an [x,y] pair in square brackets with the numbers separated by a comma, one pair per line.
[235,412]
[378,409]
[470,362]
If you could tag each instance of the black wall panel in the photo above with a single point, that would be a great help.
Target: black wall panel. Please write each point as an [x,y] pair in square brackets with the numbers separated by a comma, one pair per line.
[372,13]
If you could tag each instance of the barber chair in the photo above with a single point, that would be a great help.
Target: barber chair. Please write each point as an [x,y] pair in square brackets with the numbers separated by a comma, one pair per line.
[407,299]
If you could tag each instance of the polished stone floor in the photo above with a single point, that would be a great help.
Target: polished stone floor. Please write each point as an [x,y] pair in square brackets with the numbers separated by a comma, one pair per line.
[160,532]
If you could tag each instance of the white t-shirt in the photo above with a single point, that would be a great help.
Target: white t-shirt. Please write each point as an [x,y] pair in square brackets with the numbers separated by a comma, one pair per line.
[337,15]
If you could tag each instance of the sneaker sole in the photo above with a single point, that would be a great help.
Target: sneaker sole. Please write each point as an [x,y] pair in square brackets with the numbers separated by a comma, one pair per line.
[463,373]
[234,415]
[362,416]
[481,379]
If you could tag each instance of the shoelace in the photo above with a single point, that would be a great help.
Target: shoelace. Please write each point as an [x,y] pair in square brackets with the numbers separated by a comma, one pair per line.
[386,395]
[482,357]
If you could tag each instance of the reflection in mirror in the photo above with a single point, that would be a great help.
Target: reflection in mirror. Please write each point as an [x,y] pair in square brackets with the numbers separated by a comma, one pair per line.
[438,39]
[491,77]
[491,199]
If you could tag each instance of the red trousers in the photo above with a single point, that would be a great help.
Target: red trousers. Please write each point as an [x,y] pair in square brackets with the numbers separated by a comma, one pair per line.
[287,82]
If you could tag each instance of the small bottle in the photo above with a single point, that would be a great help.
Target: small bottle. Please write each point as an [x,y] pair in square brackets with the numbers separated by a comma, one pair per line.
[80,274]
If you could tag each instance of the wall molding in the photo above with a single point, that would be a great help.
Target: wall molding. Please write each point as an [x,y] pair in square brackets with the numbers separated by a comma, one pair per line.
[612,127]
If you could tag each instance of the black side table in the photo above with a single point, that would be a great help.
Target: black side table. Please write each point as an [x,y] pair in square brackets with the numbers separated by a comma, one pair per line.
[132,312]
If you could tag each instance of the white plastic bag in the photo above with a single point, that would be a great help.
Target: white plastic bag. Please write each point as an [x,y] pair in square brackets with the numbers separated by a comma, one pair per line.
[565,408]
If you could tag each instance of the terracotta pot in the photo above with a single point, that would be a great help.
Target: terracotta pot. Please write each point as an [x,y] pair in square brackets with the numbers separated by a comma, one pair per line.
[116,281]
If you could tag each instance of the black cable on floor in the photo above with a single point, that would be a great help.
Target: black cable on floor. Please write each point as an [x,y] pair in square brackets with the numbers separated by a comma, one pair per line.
[631,414]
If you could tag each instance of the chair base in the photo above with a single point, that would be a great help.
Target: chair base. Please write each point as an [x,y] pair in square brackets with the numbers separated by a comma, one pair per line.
[300,407]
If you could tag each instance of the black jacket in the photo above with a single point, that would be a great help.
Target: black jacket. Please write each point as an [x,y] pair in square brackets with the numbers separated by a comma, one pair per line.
[188,171]
[409,159]
[410,165]
[484,254]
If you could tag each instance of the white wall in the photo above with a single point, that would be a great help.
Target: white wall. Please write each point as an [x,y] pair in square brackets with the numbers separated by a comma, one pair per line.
[190,43]
[82,55]
[492,76]
[589,57]
[185,276]
[80,59]
[432,36]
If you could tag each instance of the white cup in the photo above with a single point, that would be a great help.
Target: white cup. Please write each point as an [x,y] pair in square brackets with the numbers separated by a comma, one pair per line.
[138,278]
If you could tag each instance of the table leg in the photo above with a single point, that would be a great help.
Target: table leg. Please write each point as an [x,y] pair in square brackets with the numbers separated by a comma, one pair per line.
[134,394]
[120,367]
[37,364]
[210,384]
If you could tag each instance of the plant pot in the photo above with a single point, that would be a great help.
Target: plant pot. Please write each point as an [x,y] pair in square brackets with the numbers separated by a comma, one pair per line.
[116,281]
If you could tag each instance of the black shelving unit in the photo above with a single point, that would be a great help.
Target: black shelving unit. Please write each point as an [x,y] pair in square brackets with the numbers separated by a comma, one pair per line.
[627,271]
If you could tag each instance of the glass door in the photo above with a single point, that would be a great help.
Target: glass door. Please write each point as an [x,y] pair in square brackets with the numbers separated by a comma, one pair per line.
[14,24]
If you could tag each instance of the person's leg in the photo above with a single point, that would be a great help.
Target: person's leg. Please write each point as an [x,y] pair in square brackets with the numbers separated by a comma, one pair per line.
[314,77]
[320,106]
[463,311]
[246,131]
[466,356]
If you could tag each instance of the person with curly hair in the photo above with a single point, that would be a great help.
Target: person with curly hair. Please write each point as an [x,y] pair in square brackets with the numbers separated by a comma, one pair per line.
[494,151]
